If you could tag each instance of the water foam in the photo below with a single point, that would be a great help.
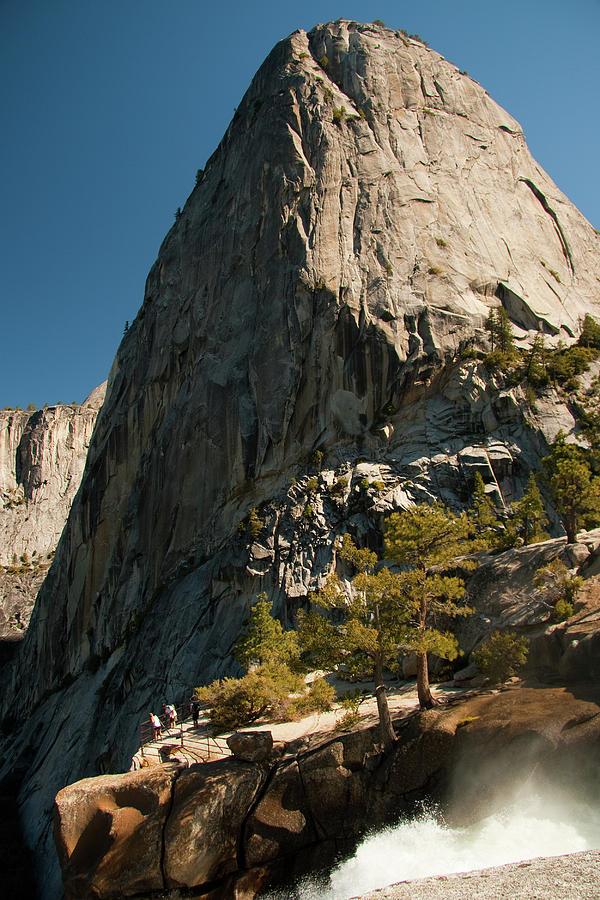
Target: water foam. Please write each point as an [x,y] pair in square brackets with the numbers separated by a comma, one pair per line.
[533,826]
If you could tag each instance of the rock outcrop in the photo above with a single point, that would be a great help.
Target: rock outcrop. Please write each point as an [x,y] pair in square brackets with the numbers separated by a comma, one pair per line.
[367,205]
[234,826]
[42,457]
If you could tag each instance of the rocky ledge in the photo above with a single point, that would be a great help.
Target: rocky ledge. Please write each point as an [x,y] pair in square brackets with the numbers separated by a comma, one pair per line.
[233,827]
[556,878]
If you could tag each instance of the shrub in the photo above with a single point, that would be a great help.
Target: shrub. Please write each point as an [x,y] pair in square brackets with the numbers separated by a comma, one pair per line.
[235,702]
[309,512]
[351,717]
[590,333]
[317,455]
[324,61]
[502,655]
[435,270]
[318,698]
[312,485]
[339,113]
[339,486]
[303,55]
[388,268]
[364,483]
[562,611]
[441,242]
[380,23]
[378,485]
[255,524]
[559,589]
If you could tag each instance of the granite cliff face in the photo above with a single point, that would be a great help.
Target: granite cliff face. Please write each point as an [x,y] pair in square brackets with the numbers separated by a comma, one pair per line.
[42,457]
[366,206]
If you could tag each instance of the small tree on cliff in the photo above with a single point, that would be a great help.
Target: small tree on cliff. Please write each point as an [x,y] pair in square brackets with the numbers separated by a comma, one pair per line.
[530,514]
[265,641]
[576,492]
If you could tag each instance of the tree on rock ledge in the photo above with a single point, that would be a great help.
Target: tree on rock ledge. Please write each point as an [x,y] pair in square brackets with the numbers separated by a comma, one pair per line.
[427,538]
[382,614]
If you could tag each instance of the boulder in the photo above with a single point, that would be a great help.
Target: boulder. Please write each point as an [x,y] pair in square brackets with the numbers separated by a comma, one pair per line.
[210,805]
[109,833]
[251,746]
[466,674]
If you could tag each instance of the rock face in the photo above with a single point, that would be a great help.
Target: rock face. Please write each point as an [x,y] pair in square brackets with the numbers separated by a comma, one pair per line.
[367,205]
[232,826]
[42,457]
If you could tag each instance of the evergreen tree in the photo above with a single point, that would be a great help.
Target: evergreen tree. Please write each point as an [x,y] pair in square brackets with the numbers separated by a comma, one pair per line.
[265,641]
[482,512]
[271,687]
[535,364]
[575,491]
[372,631]
[504,333]
[502,339]
[491,327]
[530,514]
[423,537]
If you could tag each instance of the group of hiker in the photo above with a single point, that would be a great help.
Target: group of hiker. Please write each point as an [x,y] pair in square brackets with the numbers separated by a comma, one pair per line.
[169,717]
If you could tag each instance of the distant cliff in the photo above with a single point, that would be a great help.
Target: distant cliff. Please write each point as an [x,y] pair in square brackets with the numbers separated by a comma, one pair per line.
[306,321]
[42,457]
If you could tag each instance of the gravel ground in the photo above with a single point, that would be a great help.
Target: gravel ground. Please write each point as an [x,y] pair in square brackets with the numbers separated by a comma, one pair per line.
[576,875]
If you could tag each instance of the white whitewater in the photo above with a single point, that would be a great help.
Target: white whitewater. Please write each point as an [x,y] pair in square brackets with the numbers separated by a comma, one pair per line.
[424,847]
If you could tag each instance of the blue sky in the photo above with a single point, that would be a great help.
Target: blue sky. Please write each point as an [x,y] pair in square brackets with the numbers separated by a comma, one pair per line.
[110,106]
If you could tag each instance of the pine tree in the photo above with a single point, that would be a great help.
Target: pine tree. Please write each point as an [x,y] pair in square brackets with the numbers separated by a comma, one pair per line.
[483,514]
[535,365]
[491,326]
[371,633]
[265,641]
[504,333]
[530,514]
[502,339]
[423,537]
[575,490]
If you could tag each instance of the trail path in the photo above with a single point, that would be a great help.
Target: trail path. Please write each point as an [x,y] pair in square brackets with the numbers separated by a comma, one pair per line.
[192,744]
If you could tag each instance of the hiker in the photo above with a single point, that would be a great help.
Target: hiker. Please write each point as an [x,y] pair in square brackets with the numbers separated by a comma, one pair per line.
[156,724]
[171,714]
[195,711]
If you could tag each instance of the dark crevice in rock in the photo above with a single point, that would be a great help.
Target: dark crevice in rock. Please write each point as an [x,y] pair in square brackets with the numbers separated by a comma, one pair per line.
[547,208]
[521,313]
[314,821]
[258,797]
[163,842]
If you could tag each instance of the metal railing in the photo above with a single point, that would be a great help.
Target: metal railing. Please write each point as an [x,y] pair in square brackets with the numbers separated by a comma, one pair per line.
[199,745]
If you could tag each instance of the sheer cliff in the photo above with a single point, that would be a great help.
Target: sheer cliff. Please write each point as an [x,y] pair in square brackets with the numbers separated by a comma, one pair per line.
[365,208]
[42,457]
